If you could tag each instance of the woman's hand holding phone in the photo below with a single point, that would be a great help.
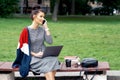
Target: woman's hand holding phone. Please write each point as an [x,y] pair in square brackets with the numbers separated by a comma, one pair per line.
[46,27]
[43,22]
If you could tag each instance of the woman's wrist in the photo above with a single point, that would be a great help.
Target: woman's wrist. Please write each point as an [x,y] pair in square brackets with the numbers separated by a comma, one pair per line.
[47,32]
[46,29]
[32,53]
[39,54]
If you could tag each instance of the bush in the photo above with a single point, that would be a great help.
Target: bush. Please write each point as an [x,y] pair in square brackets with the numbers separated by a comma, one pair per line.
[7,7]
[103,11]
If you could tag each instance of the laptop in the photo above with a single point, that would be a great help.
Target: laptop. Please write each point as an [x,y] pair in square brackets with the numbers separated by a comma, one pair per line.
[52,51]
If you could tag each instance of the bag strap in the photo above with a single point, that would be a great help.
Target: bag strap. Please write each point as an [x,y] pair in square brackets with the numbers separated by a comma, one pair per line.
[80,77]
[94,75]
[86,75]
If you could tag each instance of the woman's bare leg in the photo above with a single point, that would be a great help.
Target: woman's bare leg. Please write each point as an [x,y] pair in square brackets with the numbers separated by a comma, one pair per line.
[50,75]
[54,72]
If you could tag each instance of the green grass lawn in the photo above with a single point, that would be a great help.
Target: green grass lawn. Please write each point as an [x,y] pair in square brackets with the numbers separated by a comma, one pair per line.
[89,36]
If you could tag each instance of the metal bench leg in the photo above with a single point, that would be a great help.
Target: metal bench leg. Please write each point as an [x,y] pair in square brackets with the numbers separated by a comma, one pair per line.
[98,77]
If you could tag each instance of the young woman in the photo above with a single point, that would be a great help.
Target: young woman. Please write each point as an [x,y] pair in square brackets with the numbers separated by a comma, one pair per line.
[31,46]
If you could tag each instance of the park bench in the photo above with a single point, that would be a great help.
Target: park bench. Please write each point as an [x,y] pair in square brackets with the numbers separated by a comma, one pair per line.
[7,72]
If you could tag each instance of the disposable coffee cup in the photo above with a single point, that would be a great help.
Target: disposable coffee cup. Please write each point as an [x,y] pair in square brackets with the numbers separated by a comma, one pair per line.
[68,62]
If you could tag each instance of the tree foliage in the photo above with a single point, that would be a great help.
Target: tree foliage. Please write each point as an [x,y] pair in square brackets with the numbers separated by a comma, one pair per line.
[7,7]
[111,3]
[81,6]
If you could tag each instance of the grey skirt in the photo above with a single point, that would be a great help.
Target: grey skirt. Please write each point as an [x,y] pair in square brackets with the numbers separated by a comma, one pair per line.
[44,65]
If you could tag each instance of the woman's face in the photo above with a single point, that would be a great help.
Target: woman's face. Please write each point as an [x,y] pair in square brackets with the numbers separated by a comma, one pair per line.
[38,18]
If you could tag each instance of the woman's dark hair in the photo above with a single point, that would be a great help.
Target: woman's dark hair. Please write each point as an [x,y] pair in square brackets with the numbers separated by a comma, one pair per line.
[35,12]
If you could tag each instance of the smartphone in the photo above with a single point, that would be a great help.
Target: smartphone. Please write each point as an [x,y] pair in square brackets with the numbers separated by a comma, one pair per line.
[43,22]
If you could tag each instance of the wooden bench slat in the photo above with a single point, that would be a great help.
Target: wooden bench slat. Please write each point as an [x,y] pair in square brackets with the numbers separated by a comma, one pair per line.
[1,63]
[102,66]
[6,66]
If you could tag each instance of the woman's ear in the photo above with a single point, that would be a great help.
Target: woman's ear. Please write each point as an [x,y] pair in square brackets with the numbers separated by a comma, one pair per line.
[34,16]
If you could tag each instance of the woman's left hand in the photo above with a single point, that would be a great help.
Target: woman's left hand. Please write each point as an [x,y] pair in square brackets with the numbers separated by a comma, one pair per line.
[39,54]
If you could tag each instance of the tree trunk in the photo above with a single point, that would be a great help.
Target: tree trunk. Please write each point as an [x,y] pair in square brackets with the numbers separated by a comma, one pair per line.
[26,6]
[73,7]
[55,12]
[21,6]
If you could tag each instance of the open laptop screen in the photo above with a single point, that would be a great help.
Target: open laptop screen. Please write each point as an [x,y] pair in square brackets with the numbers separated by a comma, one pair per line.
[52,51]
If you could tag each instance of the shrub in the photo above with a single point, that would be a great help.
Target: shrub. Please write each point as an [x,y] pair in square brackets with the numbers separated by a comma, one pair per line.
[7,7]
